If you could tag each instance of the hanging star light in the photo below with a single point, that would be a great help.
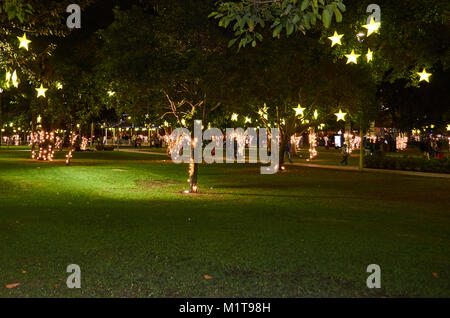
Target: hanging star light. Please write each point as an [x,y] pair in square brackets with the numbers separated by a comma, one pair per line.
[24,42]
[248,120]
[316,114]
[14,79]
[299,110]
[340,115]
[111,93]
[336,39]
[59,85]
[352,57]
[424,76]
[372,27]
[234,117]
[41,91]
[369,55]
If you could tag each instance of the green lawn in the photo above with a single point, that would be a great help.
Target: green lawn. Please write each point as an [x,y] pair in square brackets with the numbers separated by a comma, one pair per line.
[303,233]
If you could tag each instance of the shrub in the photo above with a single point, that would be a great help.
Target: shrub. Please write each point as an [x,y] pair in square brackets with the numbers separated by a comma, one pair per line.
[408,163]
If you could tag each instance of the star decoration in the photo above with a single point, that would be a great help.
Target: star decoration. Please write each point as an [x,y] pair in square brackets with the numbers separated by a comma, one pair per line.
[352,57]
[340,115]
[316,114]
[24,42]
[424,76]
[448,127]
[336,39]
[41,91]
[111,93]
[299,110]
[14,79]
[372,27]
[59,85]
[234,117]
[248,120]
[369,55]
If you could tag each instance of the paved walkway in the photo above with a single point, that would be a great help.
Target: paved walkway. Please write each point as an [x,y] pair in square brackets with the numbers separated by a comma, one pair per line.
[344,168]
[352,168]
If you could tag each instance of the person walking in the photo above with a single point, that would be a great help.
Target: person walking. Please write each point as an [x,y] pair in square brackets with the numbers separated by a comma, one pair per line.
[345,155]
[288,150]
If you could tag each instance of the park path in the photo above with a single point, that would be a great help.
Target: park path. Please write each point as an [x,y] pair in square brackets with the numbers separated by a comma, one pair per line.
[352,168]
[333,167]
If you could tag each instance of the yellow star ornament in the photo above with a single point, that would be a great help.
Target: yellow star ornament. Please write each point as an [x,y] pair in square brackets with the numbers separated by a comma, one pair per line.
[248,120]
[234,117]
[352,57]
[340,115]
[424,76]
[335,39]
[369,55]
[24,42]
[41,91]
[372,27]
[299,110]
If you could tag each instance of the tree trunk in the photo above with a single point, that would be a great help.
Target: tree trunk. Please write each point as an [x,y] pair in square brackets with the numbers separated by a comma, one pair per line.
[193,172]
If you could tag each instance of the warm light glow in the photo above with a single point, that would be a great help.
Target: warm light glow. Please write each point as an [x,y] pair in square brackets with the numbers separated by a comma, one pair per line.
[316,114]
[336,39]
[424,76]
[234,117]
[24,42]
[299,110]
[111,93]
[372,27]
[340,115]
[14,79]
[369,55]
[59,85]
[248,120]
[41,91]
[352,57]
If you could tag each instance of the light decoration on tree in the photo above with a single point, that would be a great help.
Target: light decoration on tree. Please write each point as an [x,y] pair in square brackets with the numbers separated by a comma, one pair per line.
[335,39]
[72,140]
[14,79]
[312,144]
[340,115]
[58,142]
[111,93]
[24,42]
[372,27]
[401,142]
[84,142]
[299,110]
[45,141]
[424,76]
[352,57]
[248,120]
[59,85]
[316,114]
[352,141]
[448,127]
[234,117]
[369,55]
[41,91]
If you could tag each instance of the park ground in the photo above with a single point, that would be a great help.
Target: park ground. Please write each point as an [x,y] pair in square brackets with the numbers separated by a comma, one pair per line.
[308,232]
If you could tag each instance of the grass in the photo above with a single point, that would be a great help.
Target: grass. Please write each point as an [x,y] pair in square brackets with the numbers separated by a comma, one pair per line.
[304,233]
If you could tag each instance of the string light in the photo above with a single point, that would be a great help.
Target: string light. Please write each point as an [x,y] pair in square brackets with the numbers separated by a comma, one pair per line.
[312,144]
